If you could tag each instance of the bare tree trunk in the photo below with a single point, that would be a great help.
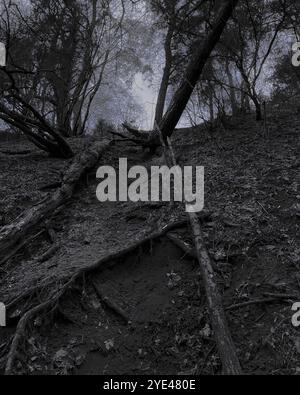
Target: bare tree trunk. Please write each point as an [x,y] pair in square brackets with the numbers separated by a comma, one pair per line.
[250,89]
[64,121]
[258,110]
[77,118]
[211,105]
[232,94]
[161,100]
[245,100]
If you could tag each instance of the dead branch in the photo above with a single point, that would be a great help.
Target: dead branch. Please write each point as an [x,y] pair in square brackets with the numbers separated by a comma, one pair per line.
[226,348]
[184,246]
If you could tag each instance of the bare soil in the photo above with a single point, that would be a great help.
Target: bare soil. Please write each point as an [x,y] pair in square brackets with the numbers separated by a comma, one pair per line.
[253,235]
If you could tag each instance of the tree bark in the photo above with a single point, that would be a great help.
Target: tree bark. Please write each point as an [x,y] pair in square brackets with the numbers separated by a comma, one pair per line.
[232,94]
[226,348]
[251,91]
[162,95]
[211,105]
[259,116]
[15,232]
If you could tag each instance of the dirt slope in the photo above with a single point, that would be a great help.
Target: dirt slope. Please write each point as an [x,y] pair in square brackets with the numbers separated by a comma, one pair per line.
[253,234]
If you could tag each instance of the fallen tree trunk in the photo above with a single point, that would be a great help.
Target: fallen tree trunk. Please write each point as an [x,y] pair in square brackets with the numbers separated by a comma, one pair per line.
[11,234]
[225,345]
[226,348]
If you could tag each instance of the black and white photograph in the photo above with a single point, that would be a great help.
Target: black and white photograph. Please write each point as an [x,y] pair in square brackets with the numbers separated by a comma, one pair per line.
[149,190]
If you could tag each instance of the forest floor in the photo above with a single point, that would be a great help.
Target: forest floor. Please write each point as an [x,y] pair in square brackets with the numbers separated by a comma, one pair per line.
[252,233]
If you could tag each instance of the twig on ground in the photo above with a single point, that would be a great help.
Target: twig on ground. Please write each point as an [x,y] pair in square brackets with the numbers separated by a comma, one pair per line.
[282,296]
[270,298]
[251,303]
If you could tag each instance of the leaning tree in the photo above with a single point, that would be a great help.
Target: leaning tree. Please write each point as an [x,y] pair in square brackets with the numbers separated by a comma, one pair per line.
[191,76]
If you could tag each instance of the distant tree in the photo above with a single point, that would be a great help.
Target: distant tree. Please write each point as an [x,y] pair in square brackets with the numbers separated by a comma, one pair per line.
[286,80]
[191,77]
[182,21]
[57,56]
[249,40]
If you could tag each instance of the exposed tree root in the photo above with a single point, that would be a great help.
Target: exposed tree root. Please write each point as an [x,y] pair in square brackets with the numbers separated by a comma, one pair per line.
[27,294]
[110,303]
[149,139]
[48,254]
[27,317]
[255,302]
[18,247]
[53,301]
[186,248]
[180,243]
[12,234]
[49,187]
[282,296]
